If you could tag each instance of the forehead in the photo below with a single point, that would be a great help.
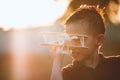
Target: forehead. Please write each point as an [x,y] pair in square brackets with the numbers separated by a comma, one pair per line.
[78,27]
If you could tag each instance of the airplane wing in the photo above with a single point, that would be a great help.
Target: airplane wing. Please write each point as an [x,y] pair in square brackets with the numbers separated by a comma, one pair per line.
[57,45]
[53,33]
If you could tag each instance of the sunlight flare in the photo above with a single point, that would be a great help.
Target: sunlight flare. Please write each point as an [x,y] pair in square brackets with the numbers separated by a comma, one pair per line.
[25,13]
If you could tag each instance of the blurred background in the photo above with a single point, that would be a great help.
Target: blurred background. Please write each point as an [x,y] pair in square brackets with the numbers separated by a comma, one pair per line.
[21,56]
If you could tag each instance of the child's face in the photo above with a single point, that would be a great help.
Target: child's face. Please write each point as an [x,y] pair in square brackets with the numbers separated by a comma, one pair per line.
[91,42]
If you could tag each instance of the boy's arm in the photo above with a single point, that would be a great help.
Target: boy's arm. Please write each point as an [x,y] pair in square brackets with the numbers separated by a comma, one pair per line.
[57,65]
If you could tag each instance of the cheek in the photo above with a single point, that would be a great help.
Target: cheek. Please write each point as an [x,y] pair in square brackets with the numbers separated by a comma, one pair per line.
[80,53]
[91,43]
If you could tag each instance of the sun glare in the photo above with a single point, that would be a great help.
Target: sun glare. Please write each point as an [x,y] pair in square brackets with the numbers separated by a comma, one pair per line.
[24,13]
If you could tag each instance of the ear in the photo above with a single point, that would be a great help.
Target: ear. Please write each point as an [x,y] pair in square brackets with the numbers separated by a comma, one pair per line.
[100,39]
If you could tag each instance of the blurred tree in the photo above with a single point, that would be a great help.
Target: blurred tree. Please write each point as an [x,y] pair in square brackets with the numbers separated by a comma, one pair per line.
[74,4]
[111,45]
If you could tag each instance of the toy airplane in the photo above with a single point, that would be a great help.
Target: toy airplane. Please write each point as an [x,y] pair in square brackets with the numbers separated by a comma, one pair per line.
[64,40]
[61,38]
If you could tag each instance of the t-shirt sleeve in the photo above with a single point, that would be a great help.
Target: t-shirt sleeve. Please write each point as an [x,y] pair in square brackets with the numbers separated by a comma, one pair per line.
[66,73]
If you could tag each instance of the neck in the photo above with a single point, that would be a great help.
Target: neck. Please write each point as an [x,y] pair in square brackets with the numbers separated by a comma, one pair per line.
[92,61]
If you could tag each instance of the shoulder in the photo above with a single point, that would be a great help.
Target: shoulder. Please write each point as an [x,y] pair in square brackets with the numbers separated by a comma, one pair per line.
[112,59]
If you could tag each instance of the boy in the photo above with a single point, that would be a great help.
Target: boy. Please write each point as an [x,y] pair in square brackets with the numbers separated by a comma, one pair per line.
[89,64]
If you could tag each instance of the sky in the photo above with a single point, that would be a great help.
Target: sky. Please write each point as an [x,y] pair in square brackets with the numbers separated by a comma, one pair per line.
[24,13]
